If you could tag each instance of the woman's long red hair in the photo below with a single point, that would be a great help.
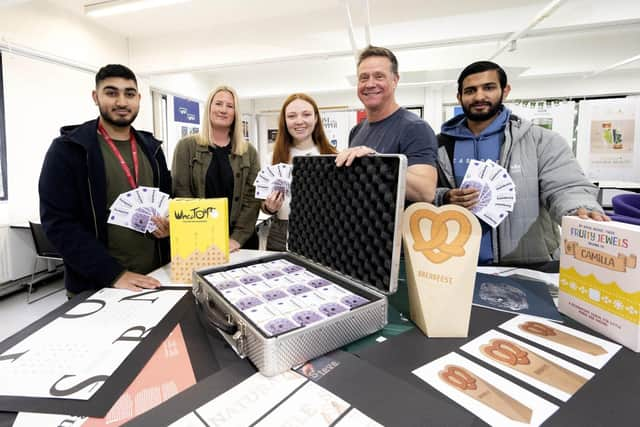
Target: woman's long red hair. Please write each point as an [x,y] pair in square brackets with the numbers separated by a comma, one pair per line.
[284,141]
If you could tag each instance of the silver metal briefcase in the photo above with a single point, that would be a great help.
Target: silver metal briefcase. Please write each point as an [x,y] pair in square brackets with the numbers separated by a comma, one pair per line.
[344,228]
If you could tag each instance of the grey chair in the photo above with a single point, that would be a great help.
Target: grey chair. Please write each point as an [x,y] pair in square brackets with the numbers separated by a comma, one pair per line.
[45,251]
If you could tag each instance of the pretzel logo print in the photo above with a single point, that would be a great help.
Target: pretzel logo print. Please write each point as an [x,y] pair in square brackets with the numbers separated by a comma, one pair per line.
[506,352]
[537,328]
[458,377]
[437,250]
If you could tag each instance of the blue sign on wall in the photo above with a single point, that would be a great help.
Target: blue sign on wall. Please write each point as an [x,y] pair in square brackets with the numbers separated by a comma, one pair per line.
[185,111]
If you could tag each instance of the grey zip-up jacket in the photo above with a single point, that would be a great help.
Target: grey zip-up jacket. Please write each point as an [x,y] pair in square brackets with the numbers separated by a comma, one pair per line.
[549,184]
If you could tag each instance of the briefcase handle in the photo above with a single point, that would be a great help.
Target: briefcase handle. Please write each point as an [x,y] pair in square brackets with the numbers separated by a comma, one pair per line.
[212,317]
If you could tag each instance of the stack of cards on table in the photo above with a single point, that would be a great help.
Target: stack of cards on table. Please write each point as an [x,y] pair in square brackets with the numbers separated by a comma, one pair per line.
[497,191]
[273,178]
[135,208]
[280,296]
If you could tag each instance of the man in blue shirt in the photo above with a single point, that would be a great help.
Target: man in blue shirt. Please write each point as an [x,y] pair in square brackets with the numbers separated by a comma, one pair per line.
[389,128]
[549,182]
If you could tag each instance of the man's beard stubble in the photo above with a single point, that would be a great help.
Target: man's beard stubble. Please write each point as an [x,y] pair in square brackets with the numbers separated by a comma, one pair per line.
[481,117]
[117,122]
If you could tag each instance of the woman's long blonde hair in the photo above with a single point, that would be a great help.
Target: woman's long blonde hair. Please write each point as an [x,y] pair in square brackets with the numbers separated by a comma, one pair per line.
[238,144]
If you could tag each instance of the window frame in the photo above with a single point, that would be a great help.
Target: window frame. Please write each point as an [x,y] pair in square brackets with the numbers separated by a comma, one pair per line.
[4,195]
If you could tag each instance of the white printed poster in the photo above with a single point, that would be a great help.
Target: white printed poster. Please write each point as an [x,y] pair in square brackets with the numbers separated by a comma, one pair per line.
[267,132]
[72,357]
[337,125]
[493,398]
[609,139]
[557,116]
[286,399]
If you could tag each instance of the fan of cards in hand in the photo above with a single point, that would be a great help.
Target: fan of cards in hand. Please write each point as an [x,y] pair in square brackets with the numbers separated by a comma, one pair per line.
[497,192]
[273,178]
[135,208]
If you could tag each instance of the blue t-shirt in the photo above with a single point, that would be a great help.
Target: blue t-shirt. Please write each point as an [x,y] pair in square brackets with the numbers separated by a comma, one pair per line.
[401,133]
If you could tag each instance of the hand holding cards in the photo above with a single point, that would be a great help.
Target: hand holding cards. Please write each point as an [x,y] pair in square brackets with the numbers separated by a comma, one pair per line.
[497,191]
[273,178]
[135,208]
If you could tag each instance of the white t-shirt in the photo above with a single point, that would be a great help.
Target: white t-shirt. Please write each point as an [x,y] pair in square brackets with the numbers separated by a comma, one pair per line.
[283,213]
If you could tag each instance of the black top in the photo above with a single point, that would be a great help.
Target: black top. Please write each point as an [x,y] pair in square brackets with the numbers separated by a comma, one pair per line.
[219,179]
[82,235]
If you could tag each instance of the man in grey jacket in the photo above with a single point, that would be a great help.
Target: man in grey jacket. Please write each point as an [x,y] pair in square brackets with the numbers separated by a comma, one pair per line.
[548,180]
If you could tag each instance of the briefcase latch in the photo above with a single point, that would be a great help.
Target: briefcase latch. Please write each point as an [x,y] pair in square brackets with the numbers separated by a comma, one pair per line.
[239,338]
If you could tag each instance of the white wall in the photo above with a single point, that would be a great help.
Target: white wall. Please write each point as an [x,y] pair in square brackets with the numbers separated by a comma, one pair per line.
[45,89]
[620,82]
[35,110]
[229,43]
[261,62]
[184,85]
[232,42]
[42,27]
[346,99]
[31,126]
[40,96]
[4,212]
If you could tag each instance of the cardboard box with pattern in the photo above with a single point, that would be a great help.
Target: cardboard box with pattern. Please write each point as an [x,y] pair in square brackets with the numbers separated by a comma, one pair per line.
[199,235]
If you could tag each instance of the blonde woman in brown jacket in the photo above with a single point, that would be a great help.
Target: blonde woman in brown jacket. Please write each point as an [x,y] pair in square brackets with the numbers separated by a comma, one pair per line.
[218,162]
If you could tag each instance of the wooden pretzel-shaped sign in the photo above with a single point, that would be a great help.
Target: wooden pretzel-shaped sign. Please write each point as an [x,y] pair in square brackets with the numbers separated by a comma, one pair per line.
[533,365]
[441,246]
[557,336]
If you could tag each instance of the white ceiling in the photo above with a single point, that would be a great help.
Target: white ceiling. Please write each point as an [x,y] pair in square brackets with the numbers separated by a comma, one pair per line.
[267,48]
[211,15]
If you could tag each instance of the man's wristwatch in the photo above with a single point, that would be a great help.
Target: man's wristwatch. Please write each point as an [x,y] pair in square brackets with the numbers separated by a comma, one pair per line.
[267,211]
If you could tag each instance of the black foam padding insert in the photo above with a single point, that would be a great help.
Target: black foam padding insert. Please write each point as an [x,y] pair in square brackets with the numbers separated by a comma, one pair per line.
[344,218]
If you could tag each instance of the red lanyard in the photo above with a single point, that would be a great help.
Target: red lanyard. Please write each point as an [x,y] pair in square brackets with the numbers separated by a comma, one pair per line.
[123,164]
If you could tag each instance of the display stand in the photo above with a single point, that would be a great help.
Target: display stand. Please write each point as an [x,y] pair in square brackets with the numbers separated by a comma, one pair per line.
[441,267]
